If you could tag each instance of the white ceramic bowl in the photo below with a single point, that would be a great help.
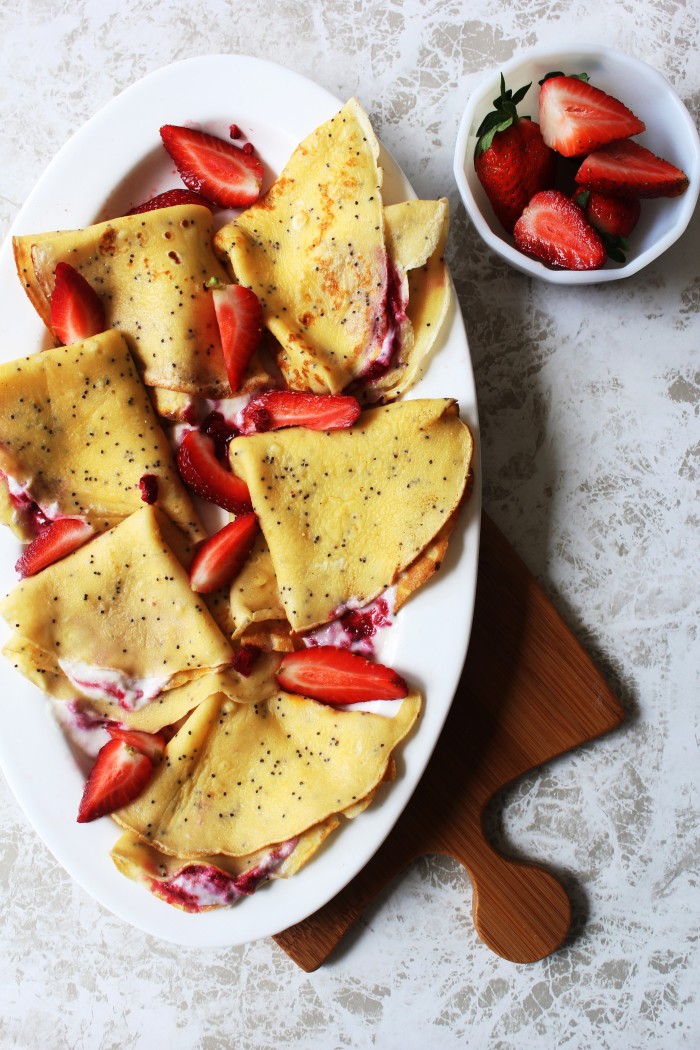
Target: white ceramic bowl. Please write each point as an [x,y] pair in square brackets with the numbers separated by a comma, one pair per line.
[670,133]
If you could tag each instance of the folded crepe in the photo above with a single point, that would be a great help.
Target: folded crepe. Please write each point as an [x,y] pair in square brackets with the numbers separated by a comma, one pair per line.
[237,778]
[313,250]
[197,884]
[115,620]
[258,617]
[77,433]
[152,272]
[345,512]
[329,263]
[416,234]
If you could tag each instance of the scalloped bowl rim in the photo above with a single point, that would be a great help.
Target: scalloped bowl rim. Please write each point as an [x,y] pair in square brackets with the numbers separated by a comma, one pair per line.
[689,159]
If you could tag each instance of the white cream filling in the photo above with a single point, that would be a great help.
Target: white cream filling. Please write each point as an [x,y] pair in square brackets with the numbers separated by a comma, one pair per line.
[107,683]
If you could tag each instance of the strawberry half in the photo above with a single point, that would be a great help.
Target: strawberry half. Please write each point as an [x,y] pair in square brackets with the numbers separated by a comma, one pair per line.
[55,541]
[219,559]
[169,199]
[576,117]
[511,159]
[239,316]
[118,777]
[626,169]
[220,171]
[553,228]
[208,477]
[76,310]
[294,408]
[338,676]
[151,744]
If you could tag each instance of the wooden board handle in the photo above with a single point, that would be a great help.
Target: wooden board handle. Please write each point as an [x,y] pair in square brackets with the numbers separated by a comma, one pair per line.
[528,692]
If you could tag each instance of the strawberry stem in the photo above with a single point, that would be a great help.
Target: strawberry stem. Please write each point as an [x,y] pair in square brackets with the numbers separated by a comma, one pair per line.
[503,115]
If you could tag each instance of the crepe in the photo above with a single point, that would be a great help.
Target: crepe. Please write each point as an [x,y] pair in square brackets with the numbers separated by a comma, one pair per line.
[240,777]
[115,620]
[196,884]
[258,616]
[77,432]
[152,273]
[329,263]
[416,238]
[344,512]
[312,249]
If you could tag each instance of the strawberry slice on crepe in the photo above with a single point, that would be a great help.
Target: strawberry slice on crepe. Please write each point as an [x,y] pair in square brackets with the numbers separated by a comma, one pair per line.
[76,308]
[220,558]
[239,316]
[221,172]
[208,477]
[169,199]
[55,541]
[118,776]
[275,409]
[337,676]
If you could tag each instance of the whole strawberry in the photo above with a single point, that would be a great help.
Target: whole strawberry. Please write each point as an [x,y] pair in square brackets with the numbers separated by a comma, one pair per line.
[511,159]
[613,217]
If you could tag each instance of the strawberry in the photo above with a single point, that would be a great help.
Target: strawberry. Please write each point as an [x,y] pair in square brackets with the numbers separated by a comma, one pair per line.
[221,557]
[207,477]
[217,169]
[239,315]
[169,199]
[151,744]
[511,159]
[76,310]
[553,229]
[245,658]
[119,775]
[275,409]
[626,169]
[338,676]
[613,217]
[148,484]
[576,117]
[54,541]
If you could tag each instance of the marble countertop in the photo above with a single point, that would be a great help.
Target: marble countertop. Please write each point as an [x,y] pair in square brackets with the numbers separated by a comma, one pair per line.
[589,403]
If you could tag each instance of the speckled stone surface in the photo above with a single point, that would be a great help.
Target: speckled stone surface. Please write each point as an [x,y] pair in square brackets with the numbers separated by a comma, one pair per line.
[589,403]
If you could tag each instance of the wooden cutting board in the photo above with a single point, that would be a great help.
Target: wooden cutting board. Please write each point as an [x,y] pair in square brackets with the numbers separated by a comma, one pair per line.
[528,692]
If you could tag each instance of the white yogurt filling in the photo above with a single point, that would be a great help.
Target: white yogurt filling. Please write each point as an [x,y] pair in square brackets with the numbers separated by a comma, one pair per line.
[107,683]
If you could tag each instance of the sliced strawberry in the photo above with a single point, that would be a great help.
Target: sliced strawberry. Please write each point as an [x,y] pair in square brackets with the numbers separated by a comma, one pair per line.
[552,228]
[208,477]
[626,169]
[576,118]
[169,199]
[76,310]
[148,484]
[151,744]
[294,408]
[217,169]
[338,676]
[118,777]
[245,658]
[55,541]
[239,316]
[219,559]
